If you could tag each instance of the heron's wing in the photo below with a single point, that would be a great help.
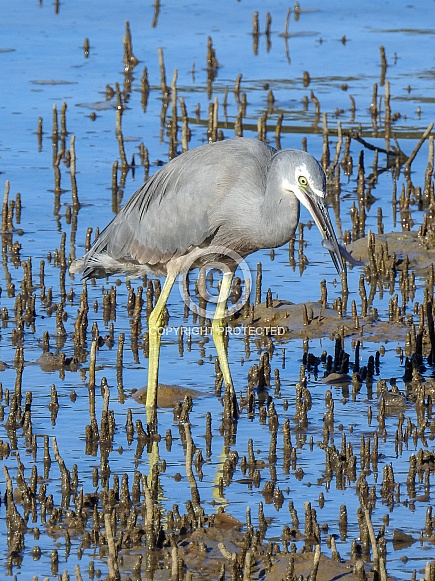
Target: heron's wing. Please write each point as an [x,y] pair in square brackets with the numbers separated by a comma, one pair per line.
[173,211]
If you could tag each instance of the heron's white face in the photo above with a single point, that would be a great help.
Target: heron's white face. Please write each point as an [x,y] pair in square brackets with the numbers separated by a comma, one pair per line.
[306,181]
[303,185]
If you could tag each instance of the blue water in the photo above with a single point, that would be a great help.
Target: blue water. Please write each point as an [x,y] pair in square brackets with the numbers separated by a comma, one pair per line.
[42,64]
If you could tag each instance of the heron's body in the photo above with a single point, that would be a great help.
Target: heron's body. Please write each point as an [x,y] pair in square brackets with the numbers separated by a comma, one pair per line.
[222,194]
[238,194]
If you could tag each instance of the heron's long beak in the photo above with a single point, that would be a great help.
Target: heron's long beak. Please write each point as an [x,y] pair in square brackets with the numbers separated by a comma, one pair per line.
[317,208]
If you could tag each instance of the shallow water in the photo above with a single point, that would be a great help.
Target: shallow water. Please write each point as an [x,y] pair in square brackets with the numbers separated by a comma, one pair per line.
[43,64]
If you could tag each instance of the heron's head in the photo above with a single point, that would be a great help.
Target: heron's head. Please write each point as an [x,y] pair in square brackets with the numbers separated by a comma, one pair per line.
[302,174]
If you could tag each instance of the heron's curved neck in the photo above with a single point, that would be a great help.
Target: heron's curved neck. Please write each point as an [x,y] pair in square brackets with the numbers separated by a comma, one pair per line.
[279,210]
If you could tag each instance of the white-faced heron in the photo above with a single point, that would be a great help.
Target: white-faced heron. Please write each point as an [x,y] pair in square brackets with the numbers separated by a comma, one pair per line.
[239,194]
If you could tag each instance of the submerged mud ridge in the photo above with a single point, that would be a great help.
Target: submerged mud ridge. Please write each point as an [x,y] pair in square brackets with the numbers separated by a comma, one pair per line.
[313,320]
[391,265]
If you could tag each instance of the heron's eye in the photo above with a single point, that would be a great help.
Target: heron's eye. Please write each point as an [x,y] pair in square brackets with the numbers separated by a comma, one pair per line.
[303,182]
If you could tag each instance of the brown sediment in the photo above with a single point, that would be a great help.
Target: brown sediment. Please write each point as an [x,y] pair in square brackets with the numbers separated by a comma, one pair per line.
[167,394]
[123,515]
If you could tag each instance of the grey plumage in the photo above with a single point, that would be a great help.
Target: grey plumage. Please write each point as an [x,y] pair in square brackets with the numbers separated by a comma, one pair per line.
[228,193]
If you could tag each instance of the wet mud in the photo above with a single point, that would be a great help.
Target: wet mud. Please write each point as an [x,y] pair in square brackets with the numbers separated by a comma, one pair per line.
[327,471]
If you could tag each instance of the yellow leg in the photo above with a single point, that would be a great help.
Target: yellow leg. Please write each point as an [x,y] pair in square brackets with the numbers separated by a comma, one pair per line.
[218,332]
[155,323]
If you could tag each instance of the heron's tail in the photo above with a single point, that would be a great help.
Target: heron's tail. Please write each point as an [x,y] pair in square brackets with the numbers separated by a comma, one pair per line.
[101,265]
[77,266]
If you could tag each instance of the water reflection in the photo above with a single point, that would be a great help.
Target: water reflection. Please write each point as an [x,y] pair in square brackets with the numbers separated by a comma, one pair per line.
[352,87]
